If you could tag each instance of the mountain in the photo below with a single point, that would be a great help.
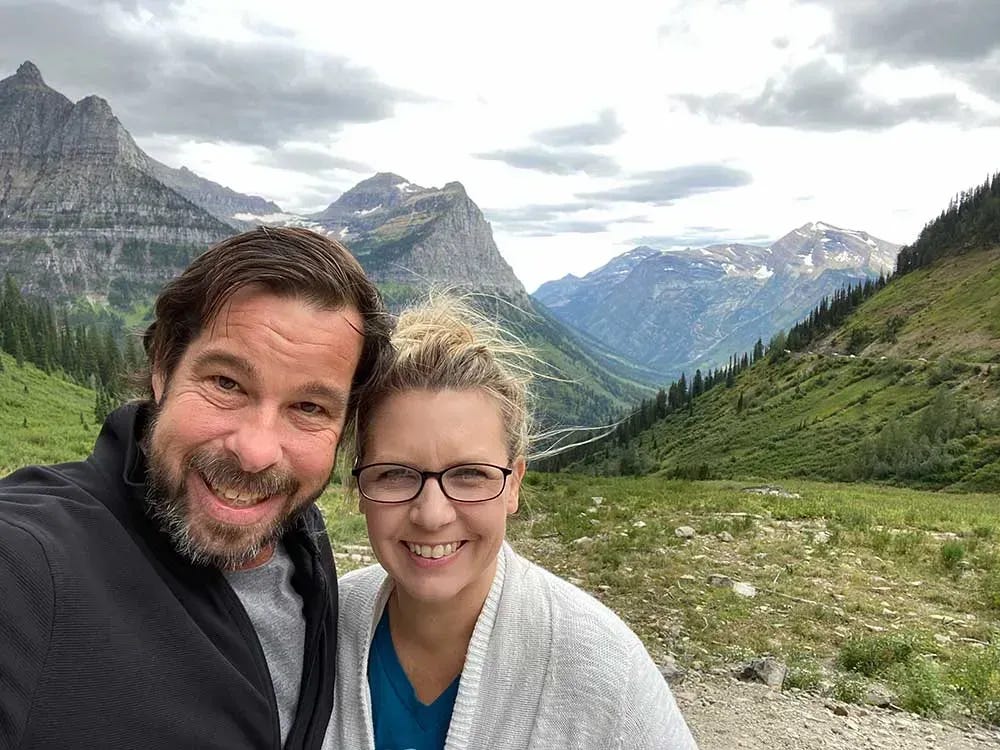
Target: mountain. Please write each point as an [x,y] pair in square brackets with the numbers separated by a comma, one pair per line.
[677,311]
[410,238]
[902,386]
[228,206]
[80,213]
[415,236]
[85,214]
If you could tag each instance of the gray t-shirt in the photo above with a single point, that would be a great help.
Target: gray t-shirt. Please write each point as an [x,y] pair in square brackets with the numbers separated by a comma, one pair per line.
[275,609]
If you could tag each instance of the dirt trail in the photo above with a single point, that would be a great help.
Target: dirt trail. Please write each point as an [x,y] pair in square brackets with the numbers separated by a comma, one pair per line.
[725,714]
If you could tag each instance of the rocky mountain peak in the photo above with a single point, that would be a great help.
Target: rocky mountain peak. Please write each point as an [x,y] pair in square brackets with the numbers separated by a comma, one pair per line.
[29,74]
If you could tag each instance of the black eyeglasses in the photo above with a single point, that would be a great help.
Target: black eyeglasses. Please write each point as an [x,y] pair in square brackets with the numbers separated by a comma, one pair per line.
[464,483]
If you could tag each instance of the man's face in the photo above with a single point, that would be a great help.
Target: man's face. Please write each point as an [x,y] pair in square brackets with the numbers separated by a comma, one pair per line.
[246,430]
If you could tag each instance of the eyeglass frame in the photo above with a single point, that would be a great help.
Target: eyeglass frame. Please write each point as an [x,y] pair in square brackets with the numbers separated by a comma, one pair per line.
[505,471]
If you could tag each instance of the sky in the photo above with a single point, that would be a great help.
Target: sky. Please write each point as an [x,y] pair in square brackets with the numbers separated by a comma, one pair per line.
[581,130]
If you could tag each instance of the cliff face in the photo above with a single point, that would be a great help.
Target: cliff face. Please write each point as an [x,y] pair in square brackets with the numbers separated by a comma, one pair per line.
[80,214]
[406,234]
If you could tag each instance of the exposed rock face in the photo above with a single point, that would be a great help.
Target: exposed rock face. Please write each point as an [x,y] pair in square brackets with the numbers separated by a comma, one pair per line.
[407,234]
[236,209]
[677,311]
[79,212]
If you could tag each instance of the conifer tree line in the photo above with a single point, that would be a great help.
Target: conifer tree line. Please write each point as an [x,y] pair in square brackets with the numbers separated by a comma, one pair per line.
[828,314]
[680,395]
[971,222]
[32,330]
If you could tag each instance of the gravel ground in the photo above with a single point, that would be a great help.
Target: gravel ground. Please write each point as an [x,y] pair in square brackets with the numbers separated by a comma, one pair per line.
[725,714]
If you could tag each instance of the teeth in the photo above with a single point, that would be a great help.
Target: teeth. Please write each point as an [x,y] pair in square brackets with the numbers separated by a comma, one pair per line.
[435,552]
[236,498]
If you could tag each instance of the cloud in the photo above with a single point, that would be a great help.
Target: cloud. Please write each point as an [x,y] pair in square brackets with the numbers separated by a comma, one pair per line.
[605,129]
[302,158]
[916,31]
[262,91]
[818,96]
[664,187]
[693,237]
[554,161]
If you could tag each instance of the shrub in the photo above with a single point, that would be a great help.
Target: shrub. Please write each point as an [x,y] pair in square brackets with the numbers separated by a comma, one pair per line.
[871,655]
[976,678]
[849,689]
[952,553]
[919,687]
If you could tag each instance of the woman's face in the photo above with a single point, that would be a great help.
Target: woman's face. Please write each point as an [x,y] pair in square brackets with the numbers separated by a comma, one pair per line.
[432,431]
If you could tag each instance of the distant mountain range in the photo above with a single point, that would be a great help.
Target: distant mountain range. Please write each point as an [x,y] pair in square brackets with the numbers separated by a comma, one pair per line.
[680,310]
[86,214]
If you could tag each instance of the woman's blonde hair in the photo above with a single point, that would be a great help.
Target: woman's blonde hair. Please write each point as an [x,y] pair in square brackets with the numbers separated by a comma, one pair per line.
[444,343]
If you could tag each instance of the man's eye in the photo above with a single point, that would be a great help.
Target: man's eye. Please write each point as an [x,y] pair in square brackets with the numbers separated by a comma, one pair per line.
[308,407]
[226,384]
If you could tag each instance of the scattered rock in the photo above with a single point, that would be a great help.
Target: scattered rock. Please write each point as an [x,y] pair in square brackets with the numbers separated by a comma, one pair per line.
[582,540]
[672,672]
[684,532]
[638,524]
[821,537]
[771,490]
[838,708]
[597,500]
[768,670]
[724,536]
[717,579]
[879,695]
[744,589]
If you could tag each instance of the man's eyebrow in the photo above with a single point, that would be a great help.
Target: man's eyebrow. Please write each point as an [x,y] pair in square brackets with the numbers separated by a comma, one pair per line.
[335,398]
[208,359]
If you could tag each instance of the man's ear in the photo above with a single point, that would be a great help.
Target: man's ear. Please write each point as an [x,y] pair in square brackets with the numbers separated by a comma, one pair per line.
[159,383]
[514,482]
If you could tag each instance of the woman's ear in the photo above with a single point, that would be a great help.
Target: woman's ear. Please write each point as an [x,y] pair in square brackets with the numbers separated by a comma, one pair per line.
[514,484]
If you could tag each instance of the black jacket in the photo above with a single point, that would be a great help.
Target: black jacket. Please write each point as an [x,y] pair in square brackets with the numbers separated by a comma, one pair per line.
[108,639]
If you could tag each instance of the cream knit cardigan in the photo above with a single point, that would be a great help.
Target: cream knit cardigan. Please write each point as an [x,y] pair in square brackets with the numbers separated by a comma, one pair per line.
[548,668]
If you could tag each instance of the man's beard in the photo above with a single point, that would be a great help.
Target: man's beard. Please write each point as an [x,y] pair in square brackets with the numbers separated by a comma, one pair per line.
[203,540]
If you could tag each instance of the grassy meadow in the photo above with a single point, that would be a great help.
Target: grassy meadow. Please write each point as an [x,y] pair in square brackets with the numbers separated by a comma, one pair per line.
[43,419]
[858,587]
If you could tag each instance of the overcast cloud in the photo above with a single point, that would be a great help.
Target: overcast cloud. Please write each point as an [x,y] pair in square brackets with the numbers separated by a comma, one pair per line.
[605,129]
[555,161]
[261,91]
[818,96]
[667,186]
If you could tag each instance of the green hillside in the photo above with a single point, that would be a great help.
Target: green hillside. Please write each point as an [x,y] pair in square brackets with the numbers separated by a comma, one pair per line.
[43,418]
[918,404]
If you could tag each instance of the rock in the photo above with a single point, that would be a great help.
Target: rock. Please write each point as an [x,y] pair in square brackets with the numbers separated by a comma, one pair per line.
[583,540]
[724,536]
[879,695]
[638,524]
[821,537]
[768,670]
[672,672]
[838,708]
[684,532]
[717,579]
[597,500]
[744,589]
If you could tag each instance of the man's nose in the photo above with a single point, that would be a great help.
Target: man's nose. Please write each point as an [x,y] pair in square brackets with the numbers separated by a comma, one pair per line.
[256,441]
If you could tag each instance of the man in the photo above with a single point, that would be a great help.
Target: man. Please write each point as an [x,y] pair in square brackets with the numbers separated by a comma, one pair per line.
[176,589]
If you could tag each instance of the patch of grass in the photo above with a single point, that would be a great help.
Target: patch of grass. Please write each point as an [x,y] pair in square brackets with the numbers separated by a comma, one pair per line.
[874,654]
[976,678]
[920,688]
[951,554]
[849,688]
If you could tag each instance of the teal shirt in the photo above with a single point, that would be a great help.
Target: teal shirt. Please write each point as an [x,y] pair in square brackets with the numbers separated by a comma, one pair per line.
[400,720]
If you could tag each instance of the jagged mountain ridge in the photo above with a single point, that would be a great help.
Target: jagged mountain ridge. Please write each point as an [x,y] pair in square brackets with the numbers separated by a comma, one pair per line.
[80,213]
[415,236]
[678,310]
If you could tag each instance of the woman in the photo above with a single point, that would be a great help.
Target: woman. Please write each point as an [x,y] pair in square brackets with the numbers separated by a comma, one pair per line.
[455,641]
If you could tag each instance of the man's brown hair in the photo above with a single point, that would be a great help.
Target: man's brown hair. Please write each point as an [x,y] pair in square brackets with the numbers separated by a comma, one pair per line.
[285,261]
